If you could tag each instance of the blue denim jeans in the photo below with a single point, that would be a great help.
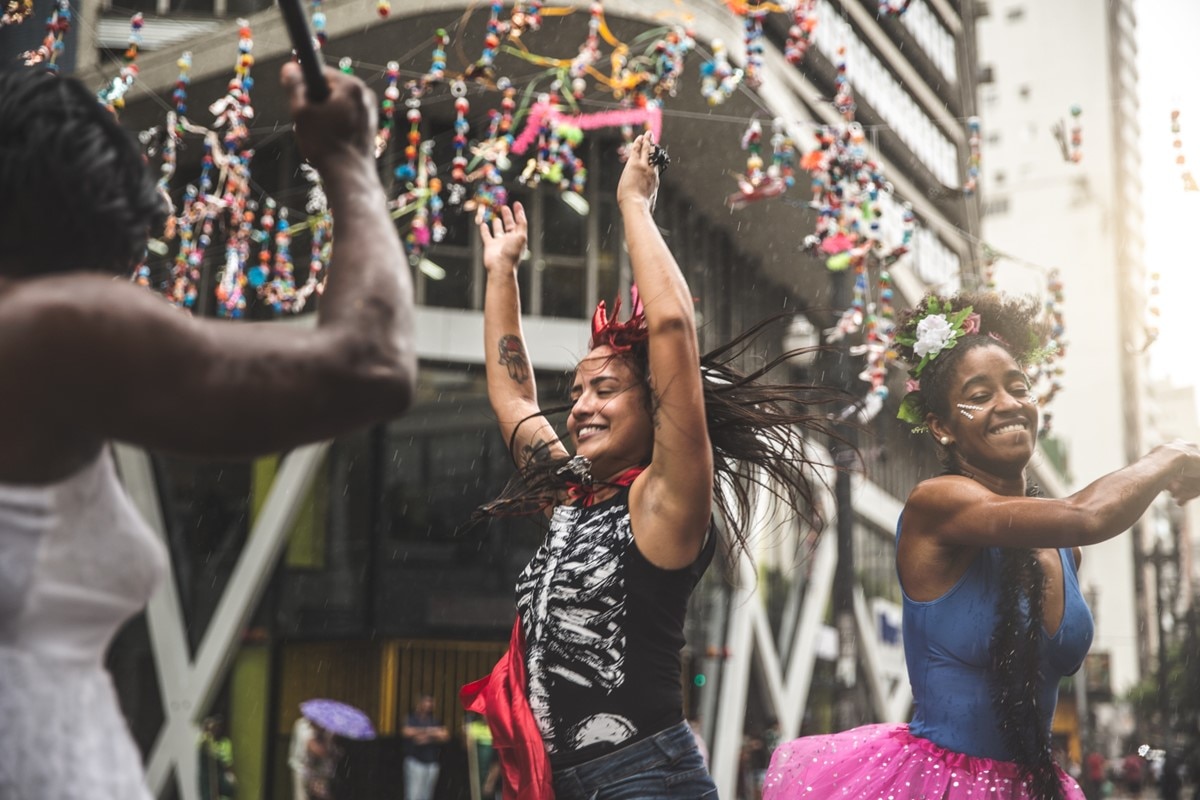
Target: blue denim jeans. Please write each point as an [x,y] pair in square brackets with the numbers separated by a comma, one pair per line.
[665,766]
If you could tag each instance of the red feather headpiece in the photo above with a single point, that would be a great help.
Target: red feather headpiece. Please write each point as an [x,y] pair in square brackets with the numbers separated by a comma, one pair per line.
[620,336]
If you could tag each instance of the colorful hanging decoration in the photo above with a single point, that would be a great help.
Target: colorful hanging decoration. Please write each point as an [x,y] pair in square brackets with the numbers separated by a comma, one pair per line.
[752,24]
[484,68]
[387,108]
[843,98]
[589,51]
[112,96]
[1189,183]
[1046,374]
[758,183]
[1153,309]
[319,23]
[555,161]
[524,19]
[974,159]
[320,223]
[800,33]
[462,127]
[1071,146]
[233,113]
[16,12]
[649,117]
[718,79]
[51,48]
[893,8]
[383,8]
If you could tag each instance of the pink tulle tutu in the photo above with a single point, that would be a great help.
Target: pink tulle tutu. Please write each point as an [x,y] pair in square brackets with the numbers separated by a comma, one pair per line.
[886,762]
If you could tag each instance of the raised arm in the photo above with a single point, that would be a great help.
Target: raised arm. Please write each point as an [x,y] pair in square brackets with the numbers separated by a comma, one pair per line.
[956,511]
[671,502]
[103,359]
[510,382]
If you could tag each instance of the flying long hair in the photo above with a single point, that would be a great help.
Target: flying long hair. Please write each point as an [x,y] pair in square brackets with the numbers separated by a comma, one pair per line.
[1014,325]
[760,434]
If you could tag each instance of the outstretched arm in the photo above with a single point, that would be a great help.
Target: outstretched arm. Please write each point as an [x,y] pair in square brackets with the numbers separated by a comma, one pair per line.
[956,511]
[671,502]
[511,387]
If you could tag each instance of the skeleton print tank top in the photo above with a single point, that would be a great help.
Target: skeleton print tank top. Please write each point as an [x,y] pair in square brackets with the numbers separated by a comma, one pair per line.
[603,633]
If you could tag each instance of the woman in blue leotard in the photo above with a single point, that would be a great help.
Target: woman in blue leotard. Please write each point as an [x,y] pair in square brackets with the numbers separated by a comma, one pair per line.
[993,615]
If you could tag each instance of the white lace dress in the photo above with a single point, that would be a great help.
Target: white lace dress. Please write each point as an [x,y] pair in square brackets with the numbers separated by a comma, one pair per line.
[76,561]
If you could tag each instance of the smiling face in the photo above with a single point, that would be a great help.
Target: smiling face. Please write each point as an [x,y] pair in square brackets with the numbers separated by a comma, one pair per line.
[991,418]
[610,420]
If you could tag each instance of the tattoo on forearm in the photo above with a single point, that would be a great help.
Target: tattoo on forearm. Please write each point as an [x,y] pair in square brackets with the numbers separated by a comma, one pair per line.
[536,452]
[512,355]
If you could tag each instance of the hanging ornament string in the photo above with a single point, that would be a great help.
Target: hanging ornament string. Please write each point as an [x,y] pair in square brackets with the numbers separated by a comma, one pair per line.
[232,113]
[893,8]
[112,96]
[462,129]
[1046,374]
[757,183]
[16,12]
[718,79]
[974,159]
[387,108]
[800,33]
[51,48]
[319,23]
[320,248]
[1070,145]
[1153,309]
[1189,183]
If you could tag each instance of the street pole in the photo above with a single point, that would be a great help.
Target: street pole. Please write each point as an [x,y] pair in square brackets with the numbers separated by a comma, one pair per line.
[844,457]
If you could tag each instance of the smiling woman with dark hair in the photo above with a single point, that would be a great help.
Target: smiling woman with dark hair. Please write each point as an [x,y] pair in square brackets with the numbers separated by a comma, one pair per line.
[993,614]
[590,694]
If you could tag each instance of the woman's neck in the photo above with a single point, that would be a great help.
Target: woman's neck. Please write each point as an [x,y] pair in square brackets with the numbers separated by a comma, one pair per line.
[1009,485]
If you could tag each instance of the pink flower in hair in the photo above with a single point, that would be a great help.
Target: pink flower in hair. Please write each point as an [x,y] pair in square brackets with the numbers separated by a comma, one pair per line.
[912,385]
[970,324]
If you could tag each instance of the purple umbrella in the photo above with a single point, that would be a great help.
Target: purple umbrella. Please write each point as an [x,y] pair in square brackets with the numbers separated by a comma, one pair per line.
[338,718]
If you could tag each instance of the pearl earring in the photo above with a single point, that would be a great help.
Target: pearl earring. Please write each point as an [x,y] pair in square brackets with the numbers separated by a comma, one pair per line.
[945,440]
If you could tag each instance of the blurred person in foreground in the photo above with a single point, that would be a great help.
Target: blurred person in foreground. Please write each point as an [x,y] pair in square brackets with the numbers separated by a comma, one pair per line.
[90,358]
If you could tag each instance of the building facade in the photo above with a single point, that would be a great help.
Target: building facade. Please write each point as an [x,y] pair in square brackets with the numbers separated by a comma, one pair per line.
[351,569]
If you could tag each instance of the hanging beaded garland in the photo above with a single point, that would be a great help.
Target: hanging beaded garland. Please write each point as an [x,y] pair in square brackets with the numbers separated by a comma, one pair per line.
[462,127]
[51,48]
[387,108]
[893,8]
[752,25]
[718,79]
[1189,182]
[758,183]
[1072,145]
[974,159]
[112,95]
[800,34]
[16,12]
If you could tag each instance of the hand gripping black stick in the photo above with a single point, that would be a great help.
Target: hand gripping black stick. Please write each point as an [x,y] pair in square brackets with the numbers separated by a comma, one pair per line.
[311,63]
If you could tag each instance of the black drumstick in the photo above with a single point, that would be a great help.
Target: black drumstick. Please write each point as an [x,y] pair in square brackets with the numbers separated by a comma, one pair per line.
[311,63]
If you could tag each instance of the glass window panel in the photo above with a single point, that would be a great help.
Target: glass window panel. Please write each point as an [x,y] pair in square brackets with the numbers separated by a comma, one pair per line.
[608,255]
[453,288]
[563,290]
[564,230]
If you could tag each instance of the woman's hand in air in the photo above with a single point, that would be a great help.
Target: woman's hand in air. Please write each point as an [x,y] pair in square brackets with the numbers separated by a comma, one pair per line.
[1186,484]
[503,238]
[639,179]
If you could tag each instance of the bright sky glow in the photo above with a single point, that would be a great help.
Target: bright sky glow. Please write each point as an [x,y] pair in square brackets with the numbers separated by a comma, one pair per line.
[1169,63]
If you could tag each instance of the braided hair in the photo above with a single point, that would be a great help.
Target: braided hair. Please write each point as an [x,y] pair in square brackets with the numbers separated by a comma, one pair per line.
[1015,326]
[759,432]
